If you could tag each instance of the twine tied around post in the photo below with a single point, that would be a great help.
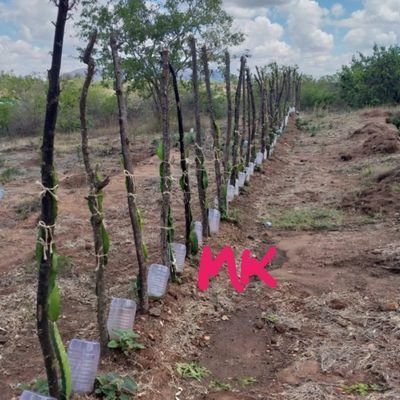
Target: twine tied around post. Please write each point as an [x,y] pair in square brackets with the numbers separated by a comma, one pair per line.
[45,190]
[47,241]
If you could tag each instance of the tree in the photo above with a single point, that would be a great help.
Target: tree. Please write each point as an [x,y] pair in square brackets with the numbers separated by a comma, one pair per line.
[373,79]
[145,27]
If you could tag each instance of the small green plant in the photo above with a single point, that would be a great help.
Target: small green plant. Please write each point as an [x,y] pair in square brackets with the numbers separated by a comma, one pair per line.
[112,386]
[192,370]
[220,386]
[232,216]
[363,389]
[38,385]
[247,381]
[310,219]
[135,287]
[8,174]
[126,341]
[301,124]
[367,171]
[271,318]
[395,120]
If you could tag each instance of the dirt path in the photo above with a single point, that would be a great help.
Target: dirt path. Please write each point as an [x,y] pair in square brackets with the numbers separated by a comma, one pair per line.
[333,320]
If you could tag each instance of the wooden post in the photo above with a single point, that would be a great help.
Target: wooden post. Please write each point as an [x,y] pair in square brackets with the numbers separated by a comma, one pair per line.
[201,174]
[236,135]
[166,232]
[49,202]
[129,178]
[185,183]
[229,112]
[221,193]
[96,187]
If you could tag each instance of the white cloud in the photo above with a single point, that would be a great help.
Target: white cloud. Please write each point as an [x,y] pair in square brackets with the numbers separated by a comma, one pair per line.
[305,26]
[30,51]
[256,3]
[337,10]
[286,31]
[377,22]
[263,40]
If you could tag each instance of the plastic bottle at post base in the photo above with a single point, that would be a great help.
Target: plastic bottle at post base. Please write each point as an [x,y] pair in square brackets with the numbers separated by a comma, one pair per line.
[214,217]
[28,395]
[157,280]
[179,250]
[84,357]
[121,316]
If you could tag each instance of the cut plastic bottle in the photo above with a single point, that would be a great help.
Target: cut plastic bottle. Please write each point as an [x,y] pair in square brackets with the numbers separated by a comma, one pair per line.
[179,250]
[237,187]
[121,316]
[214,217]
[230,193]
[84,357]
[242,179]
[198,230]
[259,158]
[157,280]
[28,395]
[251,166]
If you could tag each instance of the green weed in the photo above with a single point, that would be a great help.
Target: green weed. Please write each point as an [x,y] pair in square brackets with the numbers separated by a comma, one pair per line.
[309,219]
[112,386]
[362,389]
[38,385]
[220,386]
[8,174]
[26,208]
[271,318]
[192,370]
[232,216]
[247,381]
[126,341]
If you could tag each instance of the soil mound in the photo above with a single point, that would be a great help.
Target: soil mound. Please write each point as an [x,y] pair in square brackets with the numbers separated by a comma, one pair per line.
[74,181]
[373,128]
[381,197]
[376,113]
[380,139]
[381,143]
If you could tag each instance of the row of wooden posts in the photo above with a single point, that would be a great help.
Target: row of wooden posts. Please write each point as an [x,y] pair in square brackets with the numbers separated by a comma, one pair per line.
[250,127]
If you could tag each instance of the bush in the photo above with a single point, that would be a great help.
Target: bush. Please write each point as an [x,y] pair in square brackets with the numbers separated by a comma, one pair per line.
[320,93]
[372,80]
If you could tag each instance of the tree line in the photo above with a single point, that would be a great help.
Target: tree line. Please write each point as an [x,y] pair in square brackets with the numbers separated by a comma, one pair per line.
[369,80]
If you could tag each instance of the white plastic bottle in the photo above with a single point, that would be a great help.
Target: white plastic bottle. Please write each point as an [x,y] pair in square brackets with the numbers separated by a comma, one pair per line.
[84,357]
[121,316]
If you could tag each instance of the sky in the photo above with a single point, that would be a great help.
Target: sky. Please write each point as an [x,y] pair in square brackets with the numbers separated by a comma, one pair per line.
[318,35]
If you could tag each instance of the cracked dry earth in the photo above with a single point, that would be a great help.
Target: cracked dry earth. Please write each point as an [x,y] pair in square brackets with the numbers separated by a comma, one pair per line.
[332,323]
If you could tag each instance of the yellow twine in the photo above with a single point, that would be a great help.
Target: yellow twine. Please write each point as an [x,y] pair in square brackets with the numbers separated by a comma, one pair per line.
[47,242]
[128,174]
[45,190]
